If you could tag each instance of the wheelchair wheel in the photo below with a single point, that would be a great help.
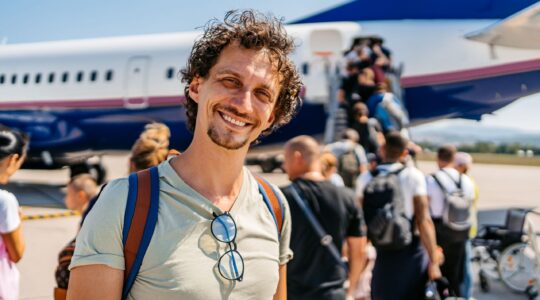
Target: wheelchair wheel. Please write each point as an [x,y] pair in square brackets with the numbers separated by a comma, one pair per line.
[516,266]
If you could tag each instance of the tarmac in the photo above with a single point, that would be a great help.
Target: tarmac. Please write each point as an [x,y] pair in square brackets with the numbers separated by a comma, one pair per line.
[40,194]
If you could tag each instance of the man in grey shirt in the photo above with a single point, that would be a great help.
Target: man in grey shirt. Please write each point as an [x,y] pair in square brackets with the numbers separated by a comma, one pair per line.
[240,85]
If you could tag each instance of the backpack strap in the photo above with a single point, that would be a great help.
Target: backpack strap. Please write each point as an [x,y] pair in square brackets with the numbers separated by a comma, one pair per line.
[439,183]
[272,201]
[139,222]
[457,183]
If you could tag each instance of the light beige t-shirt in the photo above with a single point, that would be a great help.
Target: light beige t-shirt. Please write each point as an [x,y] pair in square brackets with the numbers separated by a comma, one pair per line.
[181,260]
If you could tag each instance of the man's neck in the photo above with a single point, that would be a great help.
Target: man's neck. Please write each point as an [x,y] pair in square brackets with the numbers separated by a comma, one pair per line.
[213,171]
[313,176]
[443,165]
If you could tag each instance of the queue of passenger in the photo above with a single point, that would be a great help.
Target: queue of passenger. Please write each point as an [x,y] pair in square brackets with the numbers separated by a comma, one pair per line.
[417,226]
[370,79]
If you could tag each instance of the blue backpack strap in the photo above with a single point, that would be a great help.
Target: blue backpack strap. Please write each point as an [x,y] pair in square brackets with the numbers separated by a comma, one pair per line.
[139,222]
[273,202]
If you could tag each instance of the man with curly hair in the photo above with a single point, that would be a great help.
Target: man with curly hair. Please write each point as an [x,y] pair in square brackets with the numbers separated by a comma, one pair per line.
[215,237]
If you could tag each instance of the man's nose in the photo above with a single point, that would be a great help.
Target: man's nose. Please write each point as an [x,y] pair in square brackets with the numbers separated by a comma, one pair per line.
[243,101]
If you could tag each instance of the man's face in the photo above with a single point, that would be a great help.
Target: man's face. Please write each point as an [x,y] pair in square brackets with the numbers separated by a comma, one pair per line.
[236,101]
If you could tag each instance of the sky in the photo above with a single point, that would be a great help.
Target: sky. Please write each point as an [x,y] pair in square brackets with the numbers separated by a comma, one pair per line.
[23,21]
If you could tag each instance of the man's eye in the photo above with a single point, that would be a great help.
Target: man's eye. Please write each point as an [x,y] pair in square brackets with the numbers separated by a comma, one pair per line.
[231,82]
[264,95]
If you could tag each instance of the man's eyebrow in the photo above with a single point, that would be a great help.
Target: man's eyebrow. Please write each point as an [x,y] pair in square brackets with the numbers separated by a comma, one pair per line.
[228,72]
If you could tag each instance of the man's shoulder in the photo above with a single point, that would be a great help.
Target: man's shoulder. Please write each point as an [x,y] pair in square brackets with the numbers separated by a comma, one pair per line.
[412,171]
[7,198]
[114,195]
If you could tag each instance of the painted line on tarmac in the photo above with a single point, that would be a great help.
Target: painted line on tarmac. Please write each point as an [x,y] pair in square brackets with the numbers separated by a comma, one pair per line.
[50,216]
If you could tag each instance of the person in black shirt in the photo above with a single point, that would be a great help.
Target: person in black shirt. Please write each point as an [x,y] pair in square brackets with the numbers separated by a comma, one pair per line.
[369,130]
[314,273]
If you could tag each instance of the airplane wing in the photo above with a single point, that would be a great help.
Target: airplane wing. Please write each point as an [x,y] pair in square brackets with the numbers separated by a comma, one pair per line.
[520,30]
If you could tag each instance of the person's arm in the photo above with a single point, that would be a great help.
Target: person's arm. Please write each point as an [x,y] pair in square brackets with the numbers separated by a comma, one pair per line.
[357,261]
[427,235]
[341,96]
[281,291]
[14,242]
[98,282]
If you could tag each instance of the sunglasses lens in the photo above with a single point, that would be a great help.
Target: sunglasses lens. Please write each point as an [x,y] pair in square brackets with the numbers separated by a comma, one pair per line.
[224,229]
[231,265]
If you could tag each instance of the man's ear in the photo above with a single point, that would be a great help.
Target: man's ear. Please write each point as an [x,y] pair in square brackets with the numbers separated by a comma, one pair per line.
[194,88]
[13,160]
[404,153]
[298,156]
[272,118]
[82,196]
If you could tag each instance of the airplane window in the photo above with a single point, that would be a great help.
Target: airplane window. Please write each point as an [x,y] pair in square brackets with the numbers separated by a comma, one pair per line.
[37,80]
[25,78]
[51,77]
[305,68]
[14,79]
[2,78]
[170,73]
[109,75]
[80,76]
[93,76]
[65,77]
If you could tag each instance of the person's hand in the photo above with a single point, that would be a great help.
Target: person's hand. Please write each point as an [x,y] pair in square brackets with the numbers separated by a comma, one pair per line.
[440,256]
[434,272]
[349,297]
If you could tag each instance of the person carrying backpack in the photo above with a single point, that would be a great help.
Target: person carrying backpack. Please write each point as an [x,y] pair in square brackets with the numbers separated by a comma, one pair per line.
[206,228]
[351,157]
[451,196]
[394,200]
[324,218]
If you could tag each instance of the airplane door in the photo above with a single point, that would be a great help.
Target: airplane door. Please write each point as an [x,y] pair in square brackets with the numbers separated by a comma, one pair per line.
[325,48]
[136,84]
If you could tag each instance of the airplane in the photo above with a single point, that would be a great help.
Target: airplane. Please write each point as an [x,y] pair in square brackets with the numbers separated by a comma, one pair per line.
[79,97]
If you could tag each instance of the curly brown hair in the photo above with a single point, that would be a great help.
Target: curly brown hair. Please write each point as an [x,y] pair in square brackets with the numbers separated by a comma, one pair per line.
[252,30]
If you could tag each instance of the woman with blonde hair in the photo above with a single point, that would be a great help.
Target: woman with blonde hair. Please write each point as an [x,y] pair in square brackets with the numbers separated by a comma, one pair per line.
[329,165]
[12,154]
[151,148]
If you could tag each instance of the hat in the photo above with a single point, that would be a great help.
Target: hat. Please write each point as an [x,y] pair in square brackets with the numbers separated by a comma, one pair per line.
[463,159]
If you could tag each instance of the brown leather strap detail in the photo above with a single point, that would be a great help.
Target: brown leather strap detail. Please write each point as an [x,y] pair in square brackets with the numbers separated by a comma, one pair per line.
[60,294]
[142,206]
[273,200]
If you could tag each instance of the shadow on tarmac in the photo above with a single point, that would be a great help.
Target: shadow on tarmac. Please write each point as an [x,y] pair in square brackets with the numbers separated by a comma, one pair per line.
[37,195]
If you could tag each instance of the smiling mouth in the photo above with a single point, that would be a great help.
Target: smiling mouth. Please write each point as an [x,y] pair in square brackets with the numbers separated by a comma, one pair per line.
[232,120]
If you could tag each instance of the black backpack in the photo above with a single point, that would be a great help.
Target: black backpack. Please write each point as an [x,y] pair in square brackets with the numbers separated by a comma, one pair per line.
[349,168]
[384,212]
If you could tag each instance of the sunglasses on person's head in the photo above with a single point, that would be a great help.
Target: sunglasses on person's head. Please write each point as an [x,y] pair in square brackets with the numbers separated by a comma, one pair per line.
[231,263]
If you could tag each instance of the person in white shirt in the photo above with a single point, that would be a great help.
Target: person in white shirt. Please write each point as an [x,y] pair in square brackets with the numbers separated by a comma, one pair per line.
[401,274]
[452,243]
[13,146]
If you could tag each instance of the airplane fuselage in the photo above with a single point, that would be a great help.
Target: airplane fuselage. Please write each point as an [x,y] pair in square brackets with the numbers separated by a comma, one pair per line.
[98,93]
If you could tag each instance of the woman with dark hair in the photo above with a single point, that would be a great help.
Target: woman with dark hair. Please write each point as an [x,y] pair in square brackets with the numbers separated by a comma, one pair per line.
[12,154]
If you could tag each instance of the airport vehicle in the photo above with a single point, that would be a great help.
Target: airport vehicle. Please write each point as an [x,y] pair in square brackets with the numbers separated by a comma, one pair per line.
[76,98]
[510,253]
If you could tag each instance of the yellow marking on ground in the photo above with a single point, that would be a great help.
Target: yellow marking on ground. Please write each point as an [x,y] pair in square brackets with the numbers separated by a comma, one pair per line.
[50,215]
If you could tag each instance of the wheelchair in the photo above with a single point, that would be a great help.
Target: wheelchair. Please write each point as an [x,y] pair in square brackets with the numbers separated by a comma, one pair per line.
[509,253]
